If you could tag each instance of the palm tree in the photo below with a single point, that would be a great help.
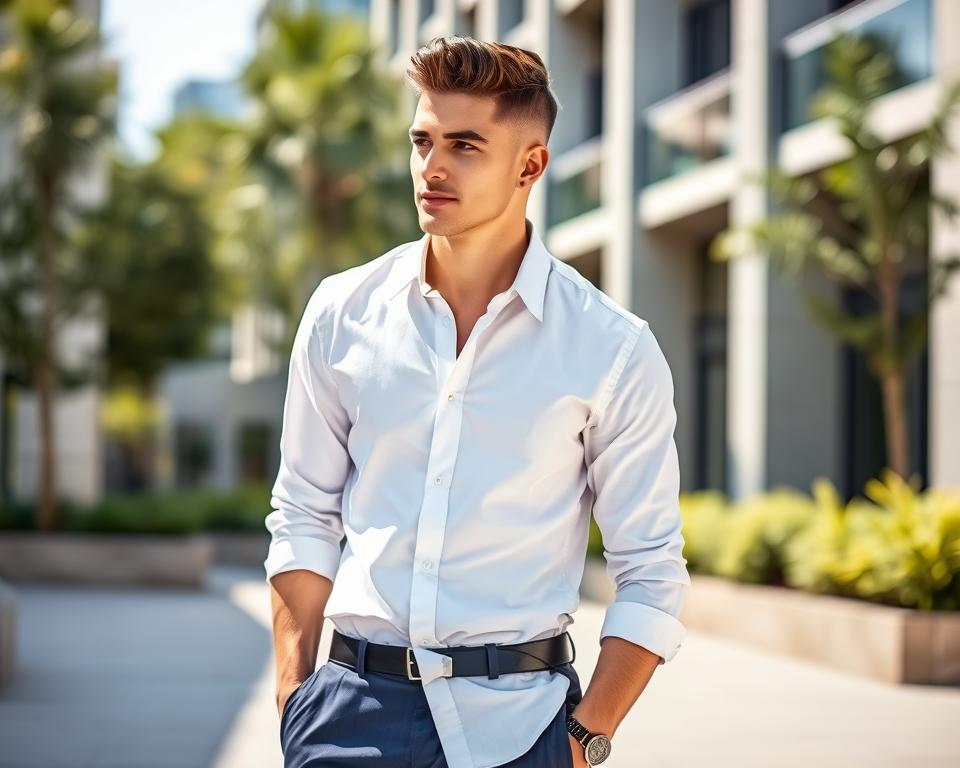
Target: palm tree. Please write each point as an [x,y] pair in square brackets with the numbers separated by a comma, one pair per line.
[58,106]
[329,185]
[864,223]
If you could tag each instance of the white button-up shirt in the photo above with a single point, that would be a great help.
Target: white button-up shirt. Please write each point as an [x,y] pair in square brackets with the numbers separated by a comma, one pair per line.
[464,483]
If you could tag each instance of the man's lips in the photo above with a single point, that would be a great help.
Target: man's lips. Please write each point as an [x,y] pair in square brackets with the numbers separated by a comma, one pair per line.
[436,197]
[428,201]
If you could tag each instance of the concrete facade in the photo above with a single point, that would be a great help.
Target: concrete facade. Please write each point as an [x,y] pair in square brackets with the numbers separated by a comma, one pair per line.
[765,395]
[207,409]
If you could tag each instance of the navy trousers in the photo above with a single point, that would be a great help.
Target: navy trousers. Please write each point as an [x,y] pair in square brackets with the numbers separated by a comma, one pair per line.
[338,717]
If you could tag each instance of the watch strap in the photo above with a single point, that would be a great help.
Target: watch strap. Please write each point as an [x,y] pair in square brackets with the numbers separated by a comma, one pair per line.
[578,730]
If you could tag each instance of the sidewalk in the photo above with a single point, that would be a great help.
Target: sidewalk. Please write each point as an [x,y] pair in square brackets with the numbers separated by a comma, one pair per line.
[125,678]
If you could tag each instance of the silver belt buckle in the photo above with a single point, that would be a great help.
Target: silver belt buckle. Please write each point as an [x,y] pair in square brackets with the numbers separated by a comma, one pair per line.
[410,660]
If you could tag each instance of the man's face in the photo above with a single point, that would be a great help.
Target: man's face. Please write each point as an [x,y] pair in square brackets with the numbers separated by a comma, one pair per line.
[480,167]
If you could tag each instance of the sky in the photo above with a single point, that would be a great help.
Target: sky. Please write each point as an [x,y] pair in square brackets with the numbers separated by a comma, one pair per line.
[162,43]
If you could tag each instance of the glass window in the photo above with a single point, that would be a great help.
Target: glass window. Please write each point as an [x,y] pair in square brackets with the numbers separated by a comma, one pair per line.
[193,449]
[710,345]
[708,39]
[864,445]
[594,103]
[253,451]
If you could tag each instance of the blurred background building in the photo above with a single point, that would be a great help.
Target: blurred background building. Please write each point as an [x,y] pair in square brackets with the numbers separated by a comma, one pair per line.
[219,97]
[663,105]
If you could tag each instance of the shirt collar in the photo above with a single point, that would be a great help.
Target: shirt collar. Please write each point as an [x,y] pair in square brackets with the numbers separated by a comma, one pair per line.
[530,282]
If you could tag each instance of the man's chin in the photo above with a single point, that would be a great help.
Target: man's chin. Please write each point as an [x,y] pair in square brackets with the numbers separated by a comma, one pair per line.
[435,225]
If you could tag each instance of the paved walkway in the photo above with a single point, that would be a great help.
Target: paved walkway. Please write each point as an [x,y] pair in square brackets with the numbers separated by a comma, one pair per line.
[132,678]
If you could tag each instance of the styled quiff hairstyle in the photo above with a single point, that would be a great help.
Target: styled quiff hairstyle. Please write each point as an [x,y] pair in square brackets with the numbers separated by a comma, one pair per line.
[515,77]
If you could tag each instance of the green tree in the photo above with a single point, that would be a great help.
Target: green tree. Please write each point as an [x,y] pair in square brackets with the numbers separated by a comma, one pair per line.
[328,184]
[863,222]
[206,157]
[148,250]
[58,106]
[148,253]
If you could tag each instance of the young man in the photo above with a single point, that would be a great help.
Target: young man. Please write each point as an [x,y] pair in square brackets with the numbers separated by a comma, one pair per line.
[455,408]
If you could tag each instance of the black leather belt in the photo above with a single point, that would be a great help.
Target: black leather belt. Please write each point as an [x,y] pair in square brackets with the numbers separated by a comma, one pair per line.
[489,660]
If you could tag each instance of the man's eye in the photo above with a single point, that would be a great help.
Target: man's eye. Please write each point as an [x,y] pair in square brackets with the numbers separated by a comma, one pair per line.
[465,145]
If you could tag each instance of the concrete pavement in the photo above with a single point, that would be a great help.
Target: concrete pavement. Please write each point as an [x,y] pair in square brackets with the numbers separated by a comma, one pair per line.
[134,678]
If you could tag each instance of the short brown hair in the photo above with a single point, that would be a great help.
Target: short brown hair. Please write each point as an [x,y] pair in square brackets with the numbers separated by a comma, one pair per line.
[516,78]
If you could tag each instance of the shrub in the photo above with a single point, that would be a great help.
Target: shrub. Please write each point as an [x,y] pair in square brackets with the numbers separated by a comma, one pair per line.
[897,546]
[164,512]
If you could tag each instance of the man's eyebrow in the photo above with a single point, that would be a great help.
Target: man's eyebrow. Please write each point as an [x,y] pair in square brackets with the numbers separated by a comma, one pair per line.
[473,135]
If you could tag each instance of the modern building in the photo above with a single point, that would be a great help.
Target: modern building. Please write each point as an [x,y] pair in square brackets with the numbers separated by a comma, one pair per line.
[665,107]
[220,97]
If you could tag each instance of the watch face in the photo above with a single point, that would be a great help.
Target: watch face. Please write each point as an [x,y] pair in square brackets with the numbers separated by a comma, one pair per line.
[598,749]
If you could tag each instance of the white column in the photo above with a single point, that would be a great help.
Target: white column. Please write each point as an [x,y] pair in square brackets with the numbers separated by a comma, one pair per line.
[617,176]
[747,277]
[944,350]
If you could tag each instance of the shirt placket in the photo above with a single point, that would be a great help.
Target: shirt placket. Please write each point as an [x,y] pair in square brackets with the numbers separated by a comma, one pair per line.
[452,375]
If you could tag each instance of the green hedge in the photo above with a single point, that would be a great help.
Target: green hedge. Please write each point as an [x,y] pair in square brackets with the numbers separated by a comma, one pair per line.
[172,512]
[895,547]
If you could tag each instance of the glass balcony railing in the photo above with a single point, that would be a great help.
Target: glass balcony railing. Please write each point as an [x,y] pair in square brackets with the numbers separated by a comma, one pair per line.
[900,27]
[688,129]
[575,181]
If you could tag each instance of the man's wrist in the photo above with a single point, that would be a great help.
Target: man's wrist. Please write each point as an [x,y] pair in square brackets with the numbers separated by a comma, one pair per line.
[594,743]
[593,721]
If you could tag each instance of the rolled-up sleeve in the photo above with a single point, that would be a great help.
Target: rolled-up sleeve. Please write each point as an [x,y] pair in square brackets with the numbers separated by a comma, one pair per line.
[633,471]
[305,525]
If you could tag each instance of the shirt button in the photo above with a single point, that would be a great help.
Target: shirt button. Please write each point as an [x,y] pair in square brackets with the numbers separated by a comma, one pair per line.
[425,641]
[450,396]
[427,565]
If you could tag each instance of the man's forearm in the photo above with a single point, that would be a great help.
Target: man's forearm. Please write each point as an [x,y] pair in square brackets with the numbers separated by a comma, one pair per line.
[298,599]
[622,672]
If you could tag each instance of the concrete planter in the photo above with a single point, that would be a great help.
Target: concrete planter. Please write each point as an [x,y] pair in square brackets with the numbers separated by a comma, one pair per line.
[893,645]
[95,558]
[239,547]
[8,632]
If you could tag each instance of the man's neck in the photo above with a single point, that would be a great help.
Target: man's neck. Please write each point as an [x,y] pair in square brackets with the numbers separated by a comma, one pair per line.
[470,269]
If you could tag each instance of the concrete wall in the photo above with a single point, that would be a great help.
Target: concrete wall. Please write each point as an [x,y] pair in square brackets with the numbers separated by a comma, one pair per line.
[784,383]
[658,269]
[78,446]
[944,382]
[204,393]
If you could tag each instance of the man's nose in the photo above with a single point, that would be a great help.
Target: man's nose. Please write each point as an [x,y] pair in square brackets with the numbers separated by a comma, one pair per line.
[433,165]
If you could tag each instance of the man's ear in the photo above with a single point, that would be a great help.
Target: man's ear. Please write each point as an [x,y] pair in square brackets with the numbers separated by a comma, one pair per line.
[542,158]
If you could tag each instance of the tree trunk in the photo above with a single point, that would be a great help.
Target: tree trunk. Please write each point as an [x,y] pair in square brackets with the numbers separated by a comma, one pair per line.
[891,368]
[895,421]
[45,372]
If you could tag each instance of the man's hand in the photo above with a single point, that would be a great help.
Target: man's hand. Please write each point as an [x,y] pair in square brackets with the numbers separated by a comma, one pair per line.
[622,672]
[298,599]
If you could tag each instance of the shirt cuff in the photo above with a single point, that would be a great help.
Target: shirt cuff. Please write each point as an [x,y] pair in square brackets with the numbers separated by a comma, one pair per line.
[317,555]
[646,626]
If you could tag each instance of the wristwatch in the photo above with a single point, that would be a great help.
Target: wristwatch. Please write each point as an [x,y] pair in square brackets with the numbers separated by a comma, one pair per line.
[596,746]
